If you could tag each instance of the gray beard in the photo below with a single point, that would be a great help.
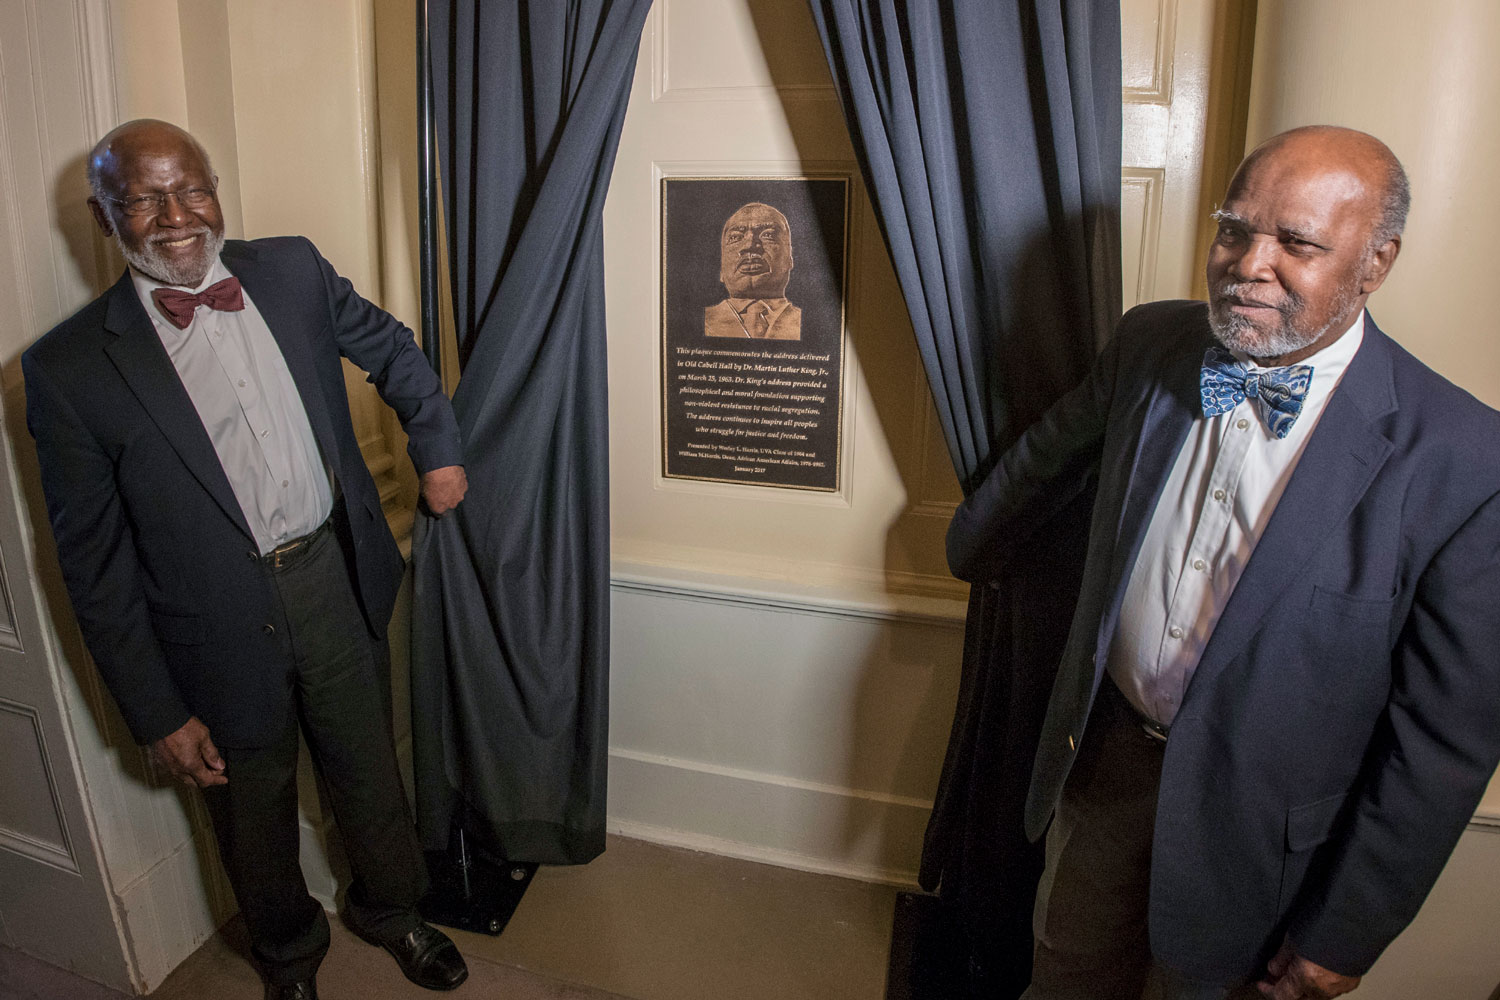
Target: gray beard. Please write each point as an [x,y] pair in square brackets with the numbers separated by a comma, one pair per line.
[151,262]
[1237,333]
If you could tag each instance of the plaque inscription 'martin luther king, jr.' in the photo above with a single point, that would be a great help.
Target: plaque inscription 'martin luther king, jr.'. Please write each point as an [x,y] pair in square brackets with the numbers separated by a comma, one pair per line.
[755,264]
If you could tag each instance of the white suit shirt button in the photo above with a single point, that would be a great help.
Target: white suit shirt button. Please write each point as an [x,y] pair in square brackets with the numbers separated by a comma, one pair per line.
[1175,632]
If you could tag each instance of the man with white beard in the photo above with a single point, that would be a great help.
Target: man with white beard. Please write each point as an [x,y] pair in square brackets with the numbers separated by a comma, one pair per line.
[1279,703]
[224,545]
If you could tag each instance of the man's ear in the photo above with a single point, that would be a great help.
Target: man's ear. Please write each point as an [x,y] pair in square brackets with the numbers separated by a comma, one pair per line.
[101,217]
[1379,264]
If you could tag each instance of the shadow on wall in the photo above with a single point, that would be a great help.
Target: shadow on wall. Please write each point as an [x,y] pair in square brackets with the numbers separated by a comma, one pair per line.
[907,684]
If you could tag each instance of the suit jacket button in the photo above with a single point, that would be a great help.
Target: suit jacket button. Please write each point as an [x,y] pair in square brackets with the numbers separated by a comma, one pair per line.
[268,629]
[252,556]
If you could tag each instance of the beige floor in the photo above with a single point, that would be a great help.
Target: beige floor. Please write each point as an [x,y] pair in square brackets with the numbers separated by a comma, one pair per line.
[660,923]
[643,921]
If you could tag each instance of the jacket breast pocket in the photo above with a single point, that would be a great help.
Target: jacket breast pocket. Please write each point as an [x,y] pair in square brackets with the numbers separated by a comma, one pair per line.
[1341,652]
[1367,609]
[1308,827]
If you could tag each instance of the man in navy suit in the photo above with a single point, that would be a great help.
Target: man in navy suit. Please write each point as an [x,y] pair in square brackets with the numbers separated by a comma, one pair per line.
[223,543]
[1279,703]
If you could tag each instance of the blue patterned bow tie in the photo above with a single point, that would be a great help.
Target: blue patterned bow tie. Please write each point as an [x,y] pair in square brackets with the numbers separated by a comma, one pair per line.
[1278,392]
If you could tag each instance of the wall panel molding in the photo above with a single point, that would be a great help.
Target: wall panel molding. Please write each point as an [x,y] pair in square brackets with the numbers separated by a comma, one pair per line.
[101,103]
[44,837]
[1140,228]
[938,605]
[10,637]
[663,39]
[1150,83]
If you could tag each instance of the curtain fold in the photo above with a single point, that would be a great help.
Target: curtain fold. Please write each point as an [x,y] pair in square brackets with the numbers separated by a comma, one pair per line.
[510,629]
[988,133]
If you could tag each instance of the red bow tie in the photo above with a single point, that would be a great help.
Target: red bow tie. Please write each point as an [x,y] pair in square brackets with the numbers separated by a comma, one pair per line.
[179,306]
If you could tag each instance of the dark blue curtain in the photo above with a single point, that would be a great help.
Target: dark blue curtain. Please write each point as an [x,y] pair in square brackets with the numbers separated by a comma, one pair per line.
[510,630]
[988,132]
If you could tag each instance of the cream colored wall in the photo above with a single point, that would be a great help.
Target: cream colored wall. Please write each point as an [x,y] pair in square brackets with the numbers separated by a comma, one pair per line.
[1424,80]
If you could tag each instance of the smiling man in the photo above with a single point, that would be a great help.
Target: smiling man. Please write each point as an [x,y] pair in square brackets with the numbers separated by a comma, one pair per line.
[755,264]
[224,545]
[1279,703]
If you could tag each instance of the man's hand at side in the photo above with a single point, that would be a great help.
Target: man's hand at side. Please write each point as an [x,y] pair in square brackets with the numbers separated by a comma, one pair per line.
[190,756]
[1289,976]
[443,488]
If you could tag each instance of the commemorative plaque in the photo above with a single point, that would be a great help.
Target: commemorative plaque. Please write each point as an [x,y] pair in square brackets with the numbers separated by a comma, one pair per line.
[753,287]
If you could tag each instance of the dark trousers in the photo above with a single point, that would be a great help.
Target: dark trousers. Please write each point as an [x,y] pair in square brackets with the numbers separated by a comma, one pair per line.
[1090,922]
[342,697]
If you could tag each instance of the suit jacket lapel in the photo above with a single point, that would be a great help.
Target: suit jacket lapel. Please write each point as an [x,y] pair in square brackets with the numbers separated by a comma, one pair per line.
[142,361]
[1341,460]
[289,328]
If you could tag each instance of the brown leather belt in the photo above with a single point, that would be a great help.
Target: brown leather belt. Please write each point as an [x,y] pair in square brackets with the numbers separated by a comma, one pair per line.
[282,554]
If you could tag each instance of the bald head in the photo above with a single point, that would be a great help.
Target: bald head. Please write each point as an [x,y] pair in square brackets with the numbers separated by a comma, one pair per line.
[131,139]
[1351,149]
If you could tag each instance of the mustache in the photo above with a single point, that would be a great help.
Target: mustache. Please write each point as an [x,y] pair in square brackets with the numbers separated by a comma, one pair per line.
[180,235]
[1243,293]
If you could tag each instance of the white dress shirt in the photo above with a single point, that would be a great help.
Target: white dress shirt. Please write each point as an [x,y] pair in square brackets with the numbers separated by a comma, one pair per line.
[1221,492]
[239,383]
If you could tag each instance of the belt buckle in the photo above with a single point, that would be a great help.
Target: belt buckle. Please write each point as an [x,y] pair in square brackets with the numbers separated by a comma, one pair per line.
[277,557]
[1155,730]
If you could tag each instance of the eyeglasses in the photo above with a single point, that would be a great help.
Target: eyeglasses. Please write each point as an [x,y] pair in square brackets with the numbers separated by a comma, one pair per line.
[152,204]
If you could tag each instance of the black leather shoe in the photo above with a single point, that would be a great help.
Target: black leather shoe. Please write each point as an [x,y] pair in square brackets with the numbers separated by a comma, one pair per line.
[428,958]
[307,989]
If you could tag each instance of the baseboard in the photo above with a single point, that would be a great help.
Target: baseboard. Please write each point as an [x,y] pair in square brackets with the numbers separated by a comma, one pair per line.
[770,819]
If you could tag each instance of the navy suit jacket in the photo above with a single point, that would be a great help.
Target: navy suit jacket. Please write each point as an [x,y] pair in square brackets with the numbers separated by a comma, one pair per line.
[1344,719]
[175,607]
